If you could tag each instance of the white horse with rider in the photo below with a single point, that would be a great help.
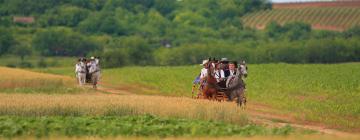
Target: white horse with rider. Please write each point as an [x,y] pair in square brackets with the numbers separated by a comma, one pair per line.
[80,71]
[94,70]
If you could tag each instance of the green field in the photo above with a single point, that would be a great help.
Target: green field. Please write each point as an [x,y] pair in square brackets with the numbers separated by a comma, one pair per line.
[106,126]
[320,93]
[339,18]
[314,93]
[325,93]
[50,113]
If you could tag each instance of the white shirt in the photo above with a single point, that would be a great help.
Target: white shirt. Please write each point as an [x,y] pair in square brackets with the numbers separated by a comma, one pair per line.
[203,73]
[219,74]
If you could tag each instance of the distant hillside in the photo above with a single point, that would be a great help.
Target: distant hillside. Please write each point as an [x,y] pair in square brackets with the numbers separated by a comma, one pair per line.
[336,16]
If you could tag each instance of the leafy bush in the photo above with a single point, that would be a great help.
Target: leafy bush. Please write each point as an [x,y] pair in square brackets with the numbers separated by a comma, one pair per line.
[11,65]
[42,63]
[25,64]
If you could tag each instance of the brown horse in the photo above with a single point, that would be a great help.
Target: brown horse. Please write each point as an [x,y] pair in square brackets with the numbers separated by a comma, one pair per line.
[210,89]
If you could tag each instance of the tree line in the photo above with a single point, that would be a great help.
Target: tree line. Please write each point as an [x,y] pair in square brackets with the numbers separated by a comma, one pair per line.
[165,32]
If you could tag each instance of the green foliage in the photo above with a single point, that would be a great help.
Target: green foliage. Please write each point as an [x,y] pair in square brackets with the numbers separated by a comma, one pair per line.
[352,32]
[25,64]
[104,22]
[35,60]
[165,7]
[64,16]
[88,4]
[22,51]
[146,125]
[115,58]
[42,63]
[290,31]
[135,32]
[63,42]
[6,41]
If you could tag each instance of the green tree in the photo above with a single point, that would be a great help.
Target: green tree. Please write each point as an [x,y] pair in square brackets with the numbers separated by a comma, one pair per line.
[22,51]
[104,22]
[28,7]
[165,7]
[63,42]
[6,41]
[352,32]
[65,16]
[297,31]
[115,58]
[274,30]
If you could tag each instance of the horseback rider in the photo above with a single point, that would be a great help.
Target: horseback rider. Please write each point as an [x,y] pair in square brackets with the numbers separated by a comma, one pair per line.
[80,71]
[94,70]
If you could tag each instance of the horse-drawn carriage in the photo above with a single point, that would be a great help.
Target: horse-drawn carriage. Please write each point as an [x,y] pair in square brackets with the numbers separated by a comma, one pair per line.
[210,88]
[88,71]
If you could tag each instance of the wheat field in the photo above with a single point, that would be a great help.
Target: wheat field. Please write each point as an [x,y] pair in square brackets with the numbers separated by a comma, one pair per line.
[99,104]
[23,81]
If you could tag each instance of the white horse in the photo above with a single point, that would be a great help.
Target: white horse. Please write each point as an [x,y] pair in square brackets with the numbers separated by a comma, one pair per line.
[80,71]
[94,70]
[235,85]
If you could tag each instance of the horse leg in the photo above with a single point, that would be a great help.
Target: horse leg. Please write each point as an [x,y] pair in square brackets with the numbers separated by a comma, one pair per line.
[244,101]
[243,98]
[239,102]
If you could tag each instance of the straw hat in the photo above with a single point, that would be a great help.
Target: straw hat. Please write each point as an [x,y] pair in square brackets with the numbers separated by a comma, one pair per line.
[204,62]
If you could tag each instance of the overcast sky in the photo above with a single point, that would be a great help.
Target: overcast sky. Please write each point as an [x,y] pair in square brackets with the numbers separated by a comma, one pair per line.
[298,0]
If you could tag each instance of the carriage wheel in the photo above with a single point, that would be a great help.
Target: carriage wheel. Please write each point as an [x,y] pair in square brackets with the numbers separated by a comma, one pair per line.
[220,96]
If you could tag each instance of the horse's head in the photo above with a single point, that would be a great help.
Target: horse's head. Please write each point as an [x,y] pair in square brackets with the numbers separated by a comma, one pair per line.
[211,66]
[243,69]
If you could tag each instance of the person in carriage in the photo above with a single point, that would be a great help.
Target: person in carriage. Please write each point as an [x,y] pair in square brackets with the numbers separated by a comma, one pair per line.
[200,79]
[220,76]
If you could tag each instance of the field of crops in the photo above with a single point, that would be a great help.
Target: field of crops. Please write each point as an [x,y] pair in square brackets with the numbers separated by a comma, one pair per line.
[22,81]
[325,93]
[314,93]
[146,125]
[327,18]
[97,114]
